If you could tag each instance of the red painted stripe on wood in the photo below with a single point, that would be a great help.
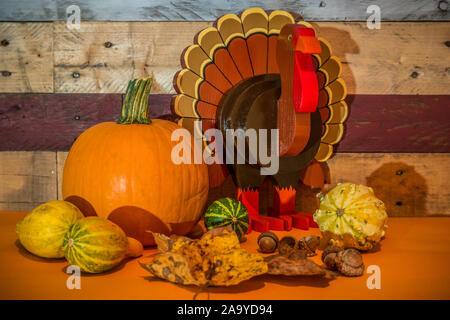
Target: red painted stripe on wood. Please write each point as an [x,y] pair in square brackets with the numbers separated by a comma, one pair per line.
[376,123]
[31,122]
[397,123]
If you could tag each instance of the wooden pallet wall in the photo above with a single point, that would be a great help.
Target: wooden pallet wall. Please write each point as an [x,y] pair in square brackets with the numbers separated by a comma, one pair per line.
[55,83]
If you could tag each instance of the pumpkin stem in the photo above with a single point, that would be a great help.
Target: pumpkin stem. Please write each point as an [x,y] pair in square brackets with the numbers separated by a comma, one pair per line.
[135,103]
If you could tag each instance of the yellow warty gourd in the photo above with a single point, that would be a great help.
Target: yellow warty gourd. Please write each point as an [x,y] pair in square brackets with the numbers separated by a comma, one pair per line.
[42,231]
[350,215]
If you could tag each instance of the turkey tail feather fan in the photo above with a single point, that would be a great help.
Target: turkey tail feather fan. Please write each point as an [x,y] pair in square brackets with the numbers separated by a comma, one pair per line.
[237,48]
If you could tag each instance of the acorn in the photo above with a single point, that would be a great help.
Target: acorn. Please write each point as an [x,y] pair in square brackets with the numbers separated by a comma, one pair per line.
[329,256]
[347,261]
[268,242]
[309,244]
[350,263]
[287,244]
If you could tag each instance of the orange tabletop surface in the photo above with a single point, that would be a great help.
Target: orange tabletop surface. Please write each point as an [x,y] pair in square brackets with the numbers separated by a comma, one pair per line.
[414,262]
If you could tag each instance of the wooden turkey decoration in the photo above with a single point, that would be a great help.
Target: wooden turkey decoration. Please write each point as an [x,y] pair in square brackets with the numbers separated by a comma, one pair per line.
[263,70]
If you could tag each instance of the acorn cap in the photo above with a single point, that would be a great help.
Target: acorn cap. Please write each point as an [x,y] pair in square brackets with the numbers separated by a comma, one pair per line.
[287,244]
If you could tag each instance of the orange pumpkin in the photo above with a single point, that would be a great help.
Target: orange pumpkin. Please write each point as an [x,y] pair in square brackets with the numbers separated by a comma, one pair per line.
[124,172]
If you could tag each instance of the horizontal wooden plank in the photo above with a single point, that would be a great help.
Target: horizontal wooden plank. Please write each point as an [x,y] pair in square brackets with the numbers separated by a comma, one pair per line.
[27,179]
[102,57]
[26,57]
[207,10]
[409,184]
[377,123]
[54,121]
[399,58]
[397,123]
[52,118]
[84,63]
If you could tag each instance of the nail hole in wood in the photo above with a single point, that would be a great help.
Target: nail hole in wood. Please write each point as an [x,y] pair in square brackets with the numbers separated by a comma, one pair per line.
[414,74]
[77,117]
[447,43]
[75,75]
[399,203]
[443,5]
[399,172]
[322,4]
[5,43]
[108,44]
[6,73]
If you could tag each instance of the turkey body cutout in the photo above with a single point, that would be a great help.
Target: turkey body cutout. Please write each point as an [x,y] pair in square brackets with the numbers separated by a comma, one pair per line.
[263,70]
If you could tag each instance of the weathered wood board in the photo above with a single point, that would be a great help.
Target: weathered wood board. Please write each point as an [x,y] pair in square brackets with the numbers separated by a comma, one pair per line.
[60,160]
[409,184]
[207,10]
[27,179]
[103,57]
[397,123]
[26,57]
[399,58]
[52,120]
[377,123]
[30,122]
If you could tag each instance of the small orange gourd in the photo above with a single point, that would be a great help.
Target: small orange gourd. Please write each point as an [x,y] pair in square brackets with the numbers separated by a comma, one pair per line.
[124,172]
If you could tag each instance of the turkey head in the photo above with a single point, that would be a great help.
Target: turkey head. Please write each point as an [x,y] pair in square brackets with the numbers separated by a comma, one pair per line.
[299,87]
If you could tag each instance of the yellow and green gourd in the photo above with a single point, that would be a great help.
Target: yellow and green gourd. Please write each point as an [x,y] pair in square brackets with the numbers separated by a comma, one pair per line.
[95,244]
[350,215]
[42,231]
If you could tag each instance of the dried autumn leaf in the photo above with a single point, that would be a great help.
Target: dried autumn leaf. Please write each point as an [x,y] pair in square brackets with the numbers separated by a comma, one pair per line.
[215,260]
[281,265]
[198,260]
[172,267]
[166,244]
[162,241]
[235,267]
